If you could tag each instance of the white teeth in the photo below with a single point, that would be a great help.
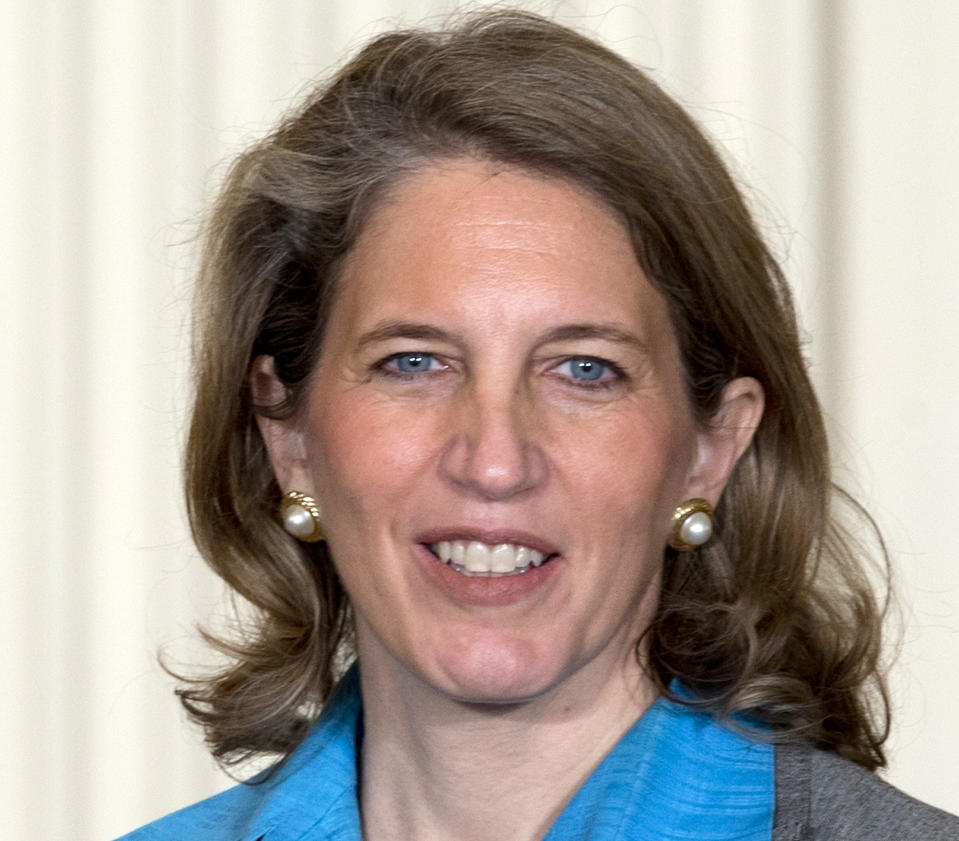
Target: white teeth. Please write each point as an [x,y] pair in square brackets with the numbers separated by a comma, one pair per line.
[503,558]
[478,557]
[475,558]
[523,556]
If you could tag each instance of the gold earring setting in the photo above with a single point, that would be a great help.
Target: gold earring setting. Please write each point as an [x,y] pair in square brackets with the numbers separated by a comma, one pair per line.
[300,516]
[692,525]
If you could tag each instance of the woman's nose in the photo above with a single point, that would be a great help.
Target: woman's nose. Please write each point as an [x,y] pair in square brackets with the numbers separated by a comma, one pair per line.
[495,446]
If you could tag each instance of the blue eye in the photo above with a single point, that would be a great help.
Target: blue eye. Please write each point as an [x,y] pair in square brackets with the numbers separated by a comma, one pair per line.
[413,363]
[584,369]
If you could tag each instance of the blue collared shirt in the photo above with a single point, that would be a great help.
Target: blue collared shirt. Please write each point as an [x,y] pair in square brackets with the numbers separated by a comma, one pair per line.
[676,774]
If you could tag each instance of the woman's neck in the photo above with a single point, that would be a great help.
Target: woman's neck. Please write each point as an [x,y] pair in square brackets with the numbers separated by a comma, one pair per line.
[434,768]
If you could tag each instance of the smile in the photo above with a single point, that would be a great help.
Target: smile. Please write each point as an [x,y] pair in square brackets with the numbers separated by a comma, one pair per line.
[470,557]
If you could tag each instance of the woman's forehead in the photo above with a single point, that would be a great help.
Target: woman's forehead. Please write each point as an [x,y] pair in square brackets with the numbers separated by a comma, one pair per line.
[484,252]
[489,228]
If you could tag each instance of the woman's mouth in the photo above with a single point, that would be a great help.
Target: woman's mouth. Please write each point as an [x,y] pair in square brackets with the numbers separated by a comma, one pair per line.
[474,558]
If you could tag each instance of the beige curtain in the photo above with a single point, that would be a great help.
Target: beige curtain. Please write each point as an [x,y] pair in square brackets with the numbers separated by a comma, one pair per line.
[841,116]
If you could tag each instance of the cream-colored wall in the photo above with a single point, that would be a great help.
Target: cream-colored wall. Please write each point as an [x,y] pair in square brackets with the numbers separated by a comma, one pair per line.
[841,115]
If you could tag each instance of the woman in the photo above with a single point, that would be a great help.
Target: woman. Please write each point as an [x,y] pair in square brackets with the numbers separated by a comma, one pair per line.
[500,390]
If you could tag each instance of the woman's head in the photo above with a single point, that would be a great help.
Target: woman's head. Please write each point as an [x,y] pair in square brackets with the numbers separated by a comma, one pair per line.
[498,378]
[516,94]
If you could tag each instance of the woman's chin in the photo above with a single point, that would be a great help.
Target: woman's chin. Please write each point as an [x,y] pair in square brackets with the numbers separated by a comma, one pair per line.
[497,674]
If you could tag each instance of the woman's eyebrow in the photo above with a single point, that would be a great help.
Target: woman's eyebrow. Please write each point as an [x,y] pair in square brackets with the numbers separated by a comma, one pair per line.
[402,330]
[591,330]
[564,332]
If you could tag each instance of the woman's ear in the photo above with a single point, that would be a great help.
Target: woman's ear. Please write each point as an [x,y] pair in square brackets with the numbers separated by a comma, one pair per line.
[284,441]
[723,438]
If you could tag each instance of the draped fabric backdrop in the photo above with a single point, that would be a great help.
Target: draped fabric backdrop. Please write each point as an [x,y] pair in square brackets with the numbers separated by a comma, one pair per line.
[841,117]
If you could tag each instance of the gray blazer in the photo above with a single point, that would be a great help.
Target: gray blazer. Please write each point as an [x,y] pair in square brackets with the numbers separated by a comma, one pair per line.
[822,797]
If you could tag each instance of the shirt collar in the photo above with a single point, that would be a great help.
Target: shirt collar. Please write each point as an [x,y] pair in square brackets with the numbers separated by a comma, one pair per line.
[315,792]
[676,774]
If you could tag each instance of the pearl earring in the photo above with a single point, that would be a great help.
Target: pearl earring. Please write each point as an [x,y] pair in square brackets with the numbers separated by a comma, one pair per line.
[692,525]
[301,517]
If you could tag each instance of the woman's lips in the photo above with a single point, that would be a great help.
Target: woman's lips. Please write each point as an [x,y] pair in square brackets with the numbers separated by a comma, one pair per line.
[488,588]
[489,537]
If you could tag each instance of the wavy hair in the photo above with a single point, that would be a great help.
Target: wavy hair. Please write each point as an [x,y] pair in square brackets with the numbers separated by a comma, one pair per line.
[773,622]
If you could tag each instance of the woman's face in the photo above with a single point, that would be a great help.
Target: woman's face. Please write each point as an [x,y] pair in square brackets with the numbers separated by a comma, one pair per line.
[499,388]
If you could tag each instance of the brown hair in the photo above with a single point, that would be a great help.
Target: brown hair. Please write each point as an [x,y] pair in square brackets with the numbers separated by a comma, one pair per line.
[773,621]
